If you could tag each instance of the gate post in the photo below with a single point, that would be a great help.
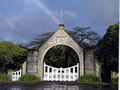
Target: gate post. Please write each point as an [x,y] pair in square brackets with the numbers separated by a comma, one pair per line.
[44,67]
[73,73]
[52,73]
[64,74]
[78,70]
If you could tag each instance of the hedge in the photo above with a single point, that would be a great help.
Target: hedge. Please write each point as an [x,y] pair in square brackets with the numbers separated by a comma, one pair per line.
[29,78]
[4,78]
[89,79]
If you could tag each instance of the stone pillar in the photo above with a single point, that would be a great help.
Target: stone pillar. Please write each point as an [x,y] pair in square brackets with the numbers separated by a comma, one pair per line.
[98,70]
[9,72]
[24,68]
[61,27]
[89,62]
[32,62]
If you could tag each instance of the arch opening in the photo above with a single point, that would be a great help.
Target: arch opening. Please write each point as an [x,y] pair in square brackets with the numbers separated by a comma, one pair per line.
[49,76]
[61,56]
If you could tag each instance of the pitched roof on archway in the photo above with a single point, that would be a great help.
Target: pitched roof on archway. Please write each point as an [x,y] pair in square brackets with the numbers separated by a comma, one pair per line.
[62,27]
[40,41]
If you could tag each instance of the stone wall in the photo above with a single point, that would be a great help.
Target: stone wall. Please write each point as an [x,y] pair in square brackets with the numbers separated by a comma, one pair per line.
[32,62]
[91,65]
[35,58]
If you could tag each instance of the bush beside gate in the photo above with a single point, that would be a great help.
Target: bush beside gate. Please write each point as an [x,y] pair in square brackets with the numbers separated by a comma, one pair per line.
[4,78]
[89,79]
[29,78]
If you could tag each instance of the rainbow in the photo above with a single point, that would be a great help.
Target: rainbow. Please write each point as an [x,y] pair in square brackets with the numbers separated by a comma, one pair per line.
[47,11]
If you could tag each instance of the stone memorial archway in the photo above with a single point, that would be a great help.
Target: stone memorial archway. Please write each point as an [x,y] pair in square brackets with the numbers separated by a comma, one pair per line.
[61,37]
[35,58]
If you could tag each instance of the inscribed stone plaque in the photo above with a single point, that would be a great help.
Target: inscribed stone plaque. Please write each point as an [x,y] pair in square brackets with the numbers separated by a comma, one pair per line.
[61,40]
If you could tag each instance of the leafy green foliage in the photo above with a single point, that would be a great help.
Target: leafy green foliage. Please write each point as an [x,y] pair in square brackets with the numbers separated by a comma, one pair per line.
[61,56]
[29,78]
[89,79]
[107,52]
[115,80]
[11,55]
[4,78]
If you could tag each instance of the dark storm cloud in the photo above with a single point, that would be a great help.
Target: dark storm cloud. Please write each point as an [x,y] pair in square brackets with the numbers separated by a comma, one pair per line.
[22,20]
[26,28]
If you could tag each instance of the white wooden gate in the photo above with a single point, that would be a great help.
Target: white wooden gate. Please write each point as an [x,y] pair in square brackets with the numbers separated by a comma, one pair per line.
[16,75]
[61,74]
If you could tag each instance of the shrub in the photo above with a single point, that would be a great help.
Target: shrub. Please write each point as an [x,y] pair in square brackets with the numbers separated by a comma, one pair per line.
[29,78]
[4,78]
[89,79]
[115,80]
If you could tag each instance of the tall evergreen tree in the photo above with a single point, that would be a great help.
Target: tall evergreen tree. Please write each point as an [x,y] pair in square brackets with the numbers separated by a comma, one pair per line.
[107,52]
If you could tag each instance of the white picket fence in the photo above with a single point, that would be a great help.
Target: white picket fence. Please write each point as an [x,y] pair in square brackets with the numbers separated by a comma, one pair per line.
[16,75]
[61,74]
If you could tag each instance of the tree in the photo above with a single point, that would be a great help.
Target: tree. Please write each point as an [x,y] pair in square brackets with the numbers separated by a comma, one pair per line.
[61,56]
[107,52]
[39,40]
[85,37]
[11,56]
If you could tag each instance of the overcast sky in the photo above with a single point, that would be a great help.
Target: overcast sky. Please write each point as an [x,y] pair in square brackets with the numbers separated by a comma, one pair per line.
[23,20]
